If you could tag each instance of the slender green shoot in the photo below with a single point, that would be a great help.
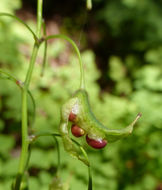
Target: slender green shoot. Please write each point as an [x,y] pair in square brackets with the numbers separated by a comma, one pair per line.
[40,134]
[25,143]
[31,65]
[34,106]
[90,187]
[58,155]
[9,76]
[22,22]
[45,50]
[89,4]
[61,36]
[39,17]
[20,85]
[24,129]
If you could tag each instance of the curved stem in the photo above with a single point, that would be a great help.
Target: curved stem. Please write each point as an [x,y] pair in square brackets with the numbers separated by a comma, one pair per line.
[81,148]
[22,22]
[9,75]
[40,134]
[20,85]
[89,169]
[61,36]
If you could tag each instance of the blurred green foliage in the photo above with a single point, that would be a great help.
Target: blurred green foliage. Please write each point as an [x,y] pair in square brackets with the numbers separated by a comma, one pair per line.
[135,163]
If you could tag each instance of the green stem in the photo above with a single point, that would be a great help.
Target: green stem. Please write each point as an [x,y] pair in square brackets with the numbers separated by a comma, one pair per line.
[28,158]
[36,44]
[39,17]
[45,51]
[58,155]
[11,77]
[21,86]
[82,79]
[31,65]
[24,129]
[89,169]
[40,134]
[25,142]
[34,106]
[22,22]
[24,132]
[90,179]
[89,4]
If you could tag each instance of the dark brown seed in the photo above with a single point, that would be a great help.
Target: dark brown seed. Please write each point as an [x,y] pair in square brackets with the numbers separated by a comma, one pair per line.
[77,131]
[98,144]
[72,116]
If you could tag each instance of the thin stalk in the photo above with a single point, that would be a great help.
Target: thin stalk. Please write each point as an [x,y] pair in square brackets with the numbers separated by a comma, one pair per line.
[40,134]
[34,106]
[89,4]
[20,85]
[89,169]
[61,36]
[45,51]
[24,131]
[31,65]
[28,158]
[11,77]
[39,17]
[90,187]
[25,142]
[24,124]
[58,155]
[36,45]
[22,22]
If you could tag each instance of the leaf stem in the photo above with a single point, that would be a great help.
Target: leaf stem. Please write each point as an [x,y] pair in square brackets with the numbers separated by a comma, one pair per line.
[22,22]
[20,85]
[11,77]
[61,36]
[40,134]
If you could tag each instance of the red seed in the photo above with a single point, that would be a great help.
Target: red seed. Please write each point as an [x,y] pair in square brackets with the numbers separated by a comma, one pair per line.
[98,144]
[72,116]
[77,131]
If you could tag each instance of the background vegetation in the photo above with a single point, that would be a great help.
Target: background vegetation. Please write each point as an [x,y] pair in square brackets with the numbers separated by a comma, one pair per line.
[121,44]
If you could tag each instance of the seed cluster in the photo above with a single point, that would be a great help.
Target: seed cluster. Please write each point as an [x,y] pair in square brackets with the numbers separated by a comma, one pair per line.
[77,131]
